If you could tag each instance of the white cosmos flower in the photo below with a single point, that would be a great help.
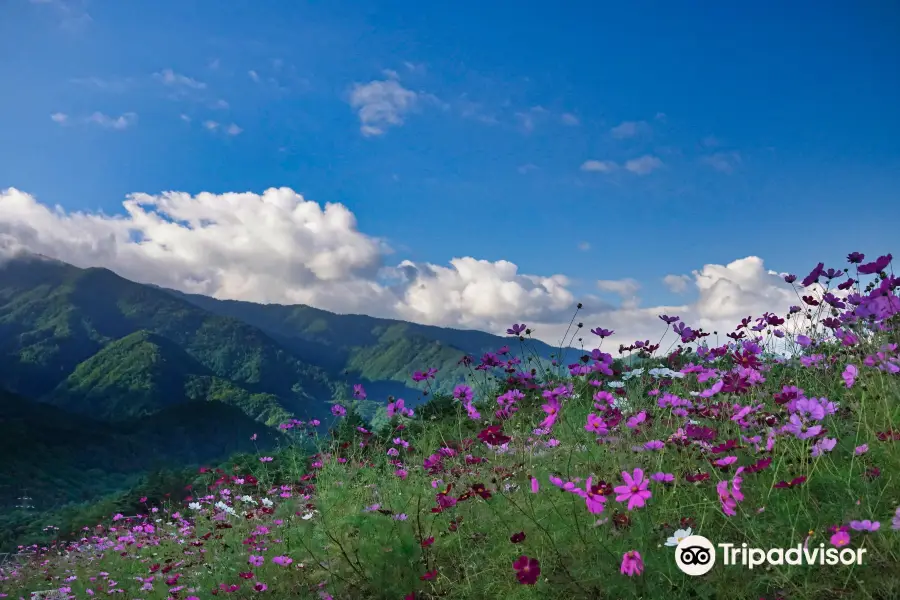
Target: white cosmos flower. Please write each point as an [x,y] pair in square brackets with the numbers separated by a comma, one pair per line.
[194,506]
[267,503]
[633,373]
[679,535]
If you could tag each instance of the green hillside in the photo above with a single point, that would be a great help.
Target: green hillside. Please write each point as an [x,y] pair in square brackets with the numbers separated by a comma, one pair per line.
[66,333]
[369,348]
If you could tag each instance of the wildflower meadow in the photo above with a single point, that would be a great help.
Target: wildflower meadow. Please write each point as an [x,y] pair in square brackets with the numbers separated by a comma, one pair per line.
[572,479]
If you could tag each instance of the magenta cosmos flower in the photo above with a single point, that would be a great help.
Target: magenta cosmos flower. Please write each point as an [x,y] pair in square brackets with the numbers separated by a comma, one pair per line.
[527,570]
[635,490]
[840,539]
[632,563]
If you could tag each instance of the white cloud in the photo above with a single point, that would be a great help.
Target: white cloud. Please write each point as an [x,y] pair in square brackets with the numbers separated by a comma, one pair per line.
[253,75]
[644,165]
[185,118]
[233,129]
[171,78]
[629,129]
[626,289]
[724,162]
[726,294]
[584,246]
[121,122]
[677,283]
[279,247]
[211,125]
[58,117]
[219,105]
[381,104]
[569,119]
[599,166]
[527,168]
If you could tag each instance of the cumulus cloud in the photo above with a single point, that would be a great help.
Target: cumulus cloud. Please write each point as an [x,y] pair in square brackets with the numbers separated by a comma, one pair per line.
[677,283]
[626,289]
[61,118]
[599,166]
[644,165]
[381,104]
[725,295]
[280,247]
[233,129]
[569,119]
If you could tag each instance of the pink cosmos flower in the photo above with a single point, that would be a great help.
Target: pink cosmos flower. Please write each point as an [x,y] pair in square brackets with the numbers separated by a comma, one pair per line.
[592,497]
[596,424]
[635,490]
[284,561]
[729,503]
[663,477]
[861,449]
[535,485]
[840,539]
[851,372]
[632,564]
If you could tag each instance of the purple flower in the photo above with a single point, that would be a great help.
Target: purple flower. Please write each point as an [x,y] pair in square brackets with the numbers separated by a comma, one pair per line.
[865,525]
[338,410]
[516,329]
[824,445]
[850,374]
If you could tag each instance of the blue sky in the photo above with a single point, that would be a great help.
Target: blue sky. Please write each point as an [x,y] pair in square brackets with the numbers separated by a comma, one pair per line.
[765,130]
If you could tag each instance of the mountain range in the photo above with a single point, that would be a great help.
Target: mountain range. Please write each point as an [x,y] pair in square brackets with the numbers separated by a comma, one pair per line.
[92,364]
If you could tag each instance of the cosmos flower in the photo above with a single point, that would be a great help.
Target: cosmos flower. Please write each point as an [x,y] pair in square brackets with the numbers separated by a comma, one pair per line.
[632,564]
[635,491]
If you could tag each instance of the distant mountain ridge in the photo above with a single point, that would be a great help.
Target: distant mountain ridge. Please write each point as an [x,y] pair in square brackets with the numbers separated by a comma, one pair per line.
[92,342]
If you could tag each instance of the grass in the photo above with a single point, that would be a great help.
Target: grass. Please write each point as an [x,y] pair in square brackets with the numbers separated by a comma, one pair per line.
[472,498]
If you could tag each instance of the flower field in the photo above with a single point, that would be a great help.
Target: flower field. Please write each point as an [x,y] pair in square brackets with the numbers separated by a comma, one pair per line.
[569,480]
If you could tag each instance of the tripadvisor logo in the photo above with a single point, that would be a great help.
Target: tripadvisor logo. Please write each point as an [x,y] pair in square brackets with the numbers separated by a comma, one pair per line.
[696,555]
